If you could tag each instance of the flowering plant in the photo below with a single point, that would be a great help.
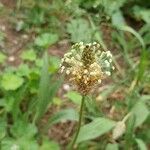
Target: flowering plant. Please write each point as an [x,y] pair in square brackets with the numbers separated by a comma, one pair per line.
[85,66]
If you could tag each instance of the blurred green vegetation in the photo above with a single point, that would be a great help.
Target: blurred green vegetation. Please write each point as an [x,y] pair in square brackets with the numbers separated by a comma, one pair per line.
[30,90]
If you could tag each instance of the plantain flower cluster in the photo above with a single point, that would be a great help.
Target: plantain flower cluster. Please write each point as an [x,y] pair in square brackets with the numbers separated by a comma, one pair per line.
[86,65]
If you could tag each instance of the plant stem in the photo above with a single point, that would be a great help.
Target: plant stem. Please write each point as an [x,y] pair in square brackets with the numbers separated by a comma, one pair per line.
[79,123]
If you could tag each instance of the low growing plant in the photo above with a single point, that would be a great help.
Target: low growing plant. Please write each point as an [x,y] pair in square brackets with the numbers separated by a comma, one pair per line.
[85,66]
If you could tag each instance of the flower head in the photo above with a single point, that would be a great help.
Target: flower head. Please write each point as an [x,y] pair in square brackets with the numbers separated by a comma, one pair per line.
[86,65]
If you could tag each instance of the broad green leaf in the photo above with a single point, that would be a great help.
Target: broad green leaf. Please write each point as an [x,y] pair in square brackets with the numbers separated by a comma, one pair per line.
[46,39]
[23,129]
[141,144]
[141,112]
[74,96]
[79,30]
[112,6]
[96,128]
[49,145]
[18,144]
[117,18]
[112,147]
[67,114]
[29,55]
[23,70]
[11,81]
[9,103]
[2,58]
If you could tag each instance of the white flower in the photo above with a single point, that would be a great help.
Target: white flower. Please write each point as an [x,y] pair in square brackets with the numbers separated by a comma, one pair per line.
[86,65]
[119,130]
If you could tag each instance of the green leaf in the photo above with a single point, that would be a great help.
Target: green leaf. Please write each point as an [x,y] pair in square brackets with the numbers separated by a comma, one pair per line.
[2,58]
[63,115]
[9,103]
[112,147]
[47,89]
[129,134]
[2,129]
[96,128]
[23,70]
[54,64]
[49,145]
[142,13]
[143,64]
[43,96]
[18,144]
[112,6]
[74,97]
[46,39]
[29,55]
[141,144]
[117,18]
[11,81]
[131,30]
[79,30]
[141,112]
[23,129]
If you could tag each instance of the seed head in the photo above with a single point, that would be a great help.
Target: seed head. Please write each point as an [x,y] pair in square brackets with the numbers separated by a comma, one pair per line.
[86,65]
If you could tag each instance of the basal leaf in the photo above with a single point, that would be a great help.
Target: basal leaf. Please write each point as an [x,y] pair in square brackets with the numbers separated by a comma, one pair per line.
[141,144]
[47,89]
[49,145]
[96,128]
[141,112]
[67,114]
[112,147]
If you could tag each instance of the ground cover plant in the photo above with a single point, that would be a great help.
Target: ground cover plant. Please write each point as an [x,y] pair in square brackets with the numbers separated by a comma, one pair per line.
[40,109]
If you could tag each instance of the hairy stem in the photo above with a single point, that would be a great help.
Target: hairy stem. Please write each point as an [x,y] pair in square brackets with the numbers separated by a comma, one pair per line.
[79,123]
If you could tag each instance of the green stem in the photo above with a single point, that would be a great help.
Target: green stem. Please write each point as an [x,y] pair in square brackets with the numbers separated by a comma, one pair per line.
[79,123]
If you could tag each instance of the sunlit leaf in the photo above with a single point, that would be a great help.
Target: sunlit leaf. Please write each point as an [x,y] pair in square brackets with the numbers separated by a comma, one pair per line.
[96,128]
[112,147]
[74,96]
[18,144]
[11,81]
[49,145]
[28,55]
[46,39]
